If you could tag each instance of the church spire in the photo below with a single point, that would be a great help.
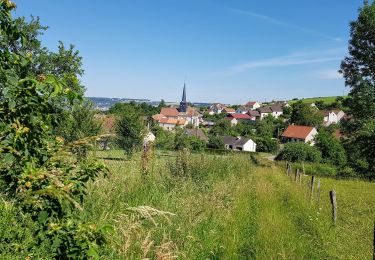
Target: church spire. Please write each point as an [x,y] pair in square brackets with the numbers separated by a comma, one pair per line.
[184,94]
[183,103]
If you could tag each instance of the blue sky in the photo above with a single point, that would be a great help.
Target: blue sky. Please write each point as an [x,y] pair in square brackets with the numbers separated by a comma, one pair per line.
[227,51]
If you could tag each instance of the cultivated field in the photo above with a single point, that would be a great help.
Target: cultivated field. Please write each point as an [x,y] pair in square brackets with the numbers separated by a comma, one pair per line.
[226,207]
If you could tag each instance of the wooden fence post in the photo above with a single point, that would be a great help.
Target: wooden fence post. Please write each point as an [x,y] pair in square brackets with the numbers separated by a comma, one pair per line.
[303,168]
[312,187]
[332,196]
[318,192]
[296,175]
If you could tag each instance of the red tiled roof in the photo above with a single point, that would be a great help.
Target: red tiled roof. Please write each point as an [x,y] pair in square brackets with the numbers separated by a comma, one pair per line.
[297,131]
[172,121]
[192,112]
[169,111]
[241,116]
[250,104]
[157,117]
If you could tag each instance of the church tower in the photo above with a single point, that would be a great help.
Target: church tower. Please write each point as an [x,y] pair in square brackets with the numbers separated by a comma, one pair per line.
[183,103]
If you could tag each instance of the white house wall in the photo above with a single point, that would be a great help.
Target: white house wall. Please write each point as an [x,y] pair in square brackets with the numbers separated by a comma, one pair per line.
[249,146]
[310,137]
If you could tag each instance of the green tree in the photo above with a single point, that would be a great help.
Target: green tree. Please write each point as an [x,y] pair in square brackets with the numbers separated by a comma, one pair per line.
[358,69]
[266,144]
[130,132]
[303,114]
[245,129]
[360,63]
[215,142]
[163,139]
[332,150]
[40,175]
[78,122]
[161,105]
[300,152]
[223,127]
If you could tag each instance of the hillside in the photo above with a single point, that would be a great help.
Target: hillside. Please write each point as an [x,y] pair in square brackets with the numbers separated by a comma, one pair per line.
[326,100]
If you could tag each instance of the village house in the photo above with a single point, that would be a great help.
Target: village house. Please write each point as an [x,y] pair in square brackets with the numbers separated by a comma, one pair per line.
[239,143]
[264,111]
[197,133]
[171,123]
[170,112]
[281,103]
[242,110]
[216,108]
[332,116]
[252,105]
[172,117]
[340,114]
[229,110]
[329,117]
[235,118]
[274,110]
[233,121]
[254,114]
[277,110]
[297,133]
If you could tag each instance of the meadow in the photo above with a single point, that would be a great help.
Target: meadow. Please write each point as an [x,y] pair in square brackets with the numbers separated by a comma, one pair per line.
[228,206]
[326,100]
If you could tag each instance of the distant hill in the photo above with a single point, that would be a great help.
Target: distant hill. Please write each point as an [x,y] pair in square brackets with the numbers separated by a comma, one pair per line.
[326,100]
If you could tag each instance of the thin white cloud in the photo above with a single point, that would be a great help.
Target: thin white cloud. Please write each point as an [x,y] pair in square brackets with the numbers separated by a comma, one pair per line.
[280,23]
[293,59]
[330,74]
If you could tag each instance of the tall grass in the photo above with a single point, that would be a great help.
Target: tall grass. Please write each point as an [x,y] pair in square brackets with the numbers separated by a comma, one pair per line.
[199,206]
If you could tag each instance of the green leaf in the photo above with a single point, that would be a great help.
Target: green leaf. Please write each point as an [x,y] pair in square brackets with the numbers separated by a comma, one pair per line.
[12,104]
[42,217]
[107,228]
[92,253]
[9,158]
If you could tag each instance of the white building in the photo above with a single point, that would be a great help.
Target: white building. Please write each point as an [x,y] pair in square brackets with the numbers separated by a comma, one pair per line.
[239,144]
[297,133]
[252,105]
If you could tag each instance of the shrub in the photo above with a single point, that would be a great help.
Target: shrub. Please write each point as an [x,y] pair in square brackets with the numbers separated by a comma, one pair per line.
[300,152]
[267,145]
[332,150]
[347,172]
[215,142]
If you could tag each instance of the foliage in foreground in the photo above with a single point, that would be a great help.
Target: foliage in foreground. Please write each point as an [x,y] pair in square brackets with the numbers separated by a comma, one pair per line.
[43,179]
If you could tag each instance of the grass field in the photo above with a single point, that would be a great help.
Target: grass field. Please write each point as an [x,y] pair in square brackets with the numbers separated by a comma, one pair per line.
[326,100]
[226,207]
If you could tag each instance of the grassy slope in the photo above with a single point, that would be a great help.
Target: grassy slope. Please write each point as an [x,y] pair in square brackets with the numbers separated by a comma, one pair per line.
[315,99]
[228,209]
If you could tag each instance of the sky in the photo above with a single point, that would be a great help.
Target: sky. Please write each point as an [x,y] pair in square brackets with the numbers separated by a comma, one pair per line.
[228,51]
